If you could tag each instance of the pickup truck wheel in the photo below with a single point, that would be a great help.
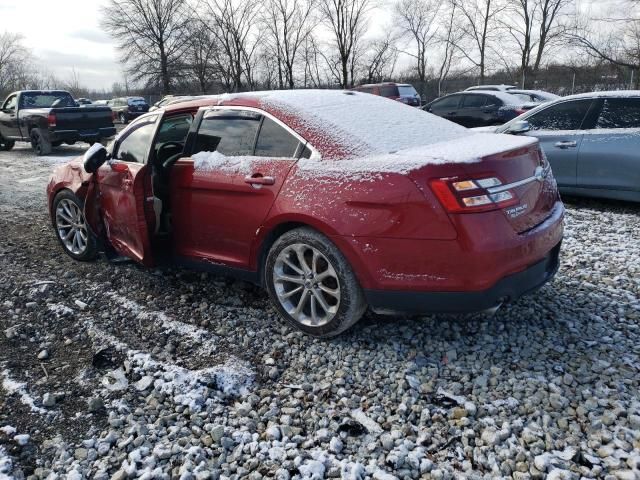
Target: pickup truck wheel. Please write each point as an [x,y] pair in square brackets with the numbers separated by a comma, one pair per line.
[123,118]
[40,145]
[6,145]
[72,231]
[312,284]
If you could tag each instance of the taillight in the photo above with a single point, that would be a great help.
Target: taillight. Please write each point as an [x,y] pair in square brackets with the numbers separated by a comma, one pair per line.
[472,195]
[51,119]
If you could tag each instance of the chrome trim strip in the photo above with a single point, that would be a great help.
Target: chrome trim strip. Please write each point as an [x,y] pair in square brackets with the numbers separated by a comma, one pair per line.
[539,175]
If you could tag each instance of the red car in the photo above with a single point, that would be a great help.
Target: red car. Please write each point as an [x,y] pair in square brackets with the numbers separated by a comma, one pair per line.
[331,200]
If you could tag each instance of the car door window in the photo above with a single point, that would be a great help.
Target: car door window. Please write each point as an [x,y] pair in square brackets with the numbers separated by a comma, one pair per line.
[134,144]
[275,141]
[11,103]
[447,103]
[232,133]
[620,113]
[174,129]
[563,116]
[474,101]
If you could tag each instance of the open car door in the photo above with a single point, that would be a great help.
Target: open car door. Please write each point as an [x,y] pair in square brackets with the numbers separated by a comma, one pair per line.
[123,185]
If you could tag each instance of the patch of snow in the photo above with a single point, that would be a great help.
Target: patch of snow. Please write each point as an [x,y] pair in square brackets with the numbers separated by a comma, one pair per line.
[216,161]
[8,430]
[366,421]
[187,387]
[6,465]
[59,309]
[13,387]
[22,439]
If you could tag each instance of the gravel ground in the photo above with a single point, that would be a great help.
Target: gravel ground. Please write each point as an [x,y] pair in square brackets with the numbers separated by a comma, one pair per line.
[111,371]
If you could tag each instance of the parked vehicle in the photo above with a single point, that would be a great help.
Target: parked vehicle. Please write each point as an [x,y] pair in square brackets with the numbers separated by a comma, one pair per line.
[402,92]
[101,102]
[534,96]
[592,141]
[83,101]
[491,88]
[49,118]
[126,109]
[478,108]
[333,201]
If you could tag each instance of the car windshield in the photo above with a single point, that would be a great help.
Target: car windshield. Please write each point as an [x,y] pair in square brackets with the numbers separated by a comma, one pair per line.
[407,91]
[46,100]
[137,101]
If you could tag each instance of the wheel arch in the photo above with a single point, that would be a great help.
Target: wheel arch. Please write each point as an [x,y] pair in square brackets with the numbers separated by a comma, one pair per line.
[275,228]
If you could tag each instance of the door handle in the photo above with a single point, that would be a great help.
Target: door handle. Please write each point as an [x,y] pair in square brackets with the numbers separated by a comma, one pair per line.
[566,144]
[258,180]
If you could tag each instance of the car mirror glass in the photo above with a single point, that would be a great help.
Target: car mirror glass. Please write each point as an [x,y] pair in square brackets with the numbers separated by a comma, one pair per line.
[521,126]
[95,157]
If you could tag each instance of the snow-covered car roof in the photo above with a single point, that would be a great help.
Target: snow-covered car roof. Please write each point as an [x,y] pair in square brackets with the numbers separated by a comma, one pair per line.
[606,94]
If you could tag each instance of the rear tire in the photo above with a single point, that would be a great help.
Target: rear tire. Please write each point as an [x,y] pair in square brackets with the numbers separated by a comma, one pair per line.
[42,146]
[312,285]
[72,231]
[6,145]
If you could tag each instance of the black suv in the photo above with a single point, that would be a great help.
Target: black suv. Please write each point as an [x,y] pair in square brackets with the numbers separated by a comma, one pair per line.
[478,108]
[126,109]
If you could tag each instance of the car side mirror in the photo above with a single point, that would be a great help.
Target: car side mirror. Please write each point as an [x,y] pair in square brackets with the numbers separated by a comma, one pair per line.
[521,126]
[95,157]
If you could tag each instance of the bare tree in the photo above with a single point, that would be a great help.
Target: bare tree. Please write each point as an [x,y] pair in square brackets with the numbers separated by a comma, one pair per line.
[288,23]
[418,19]
[234,25]
[152,37]
[478,22]
[313,58]
[347,21]
[202,53]
[535,25]
[449,38]
[614,38]
[381,58]
[16,63]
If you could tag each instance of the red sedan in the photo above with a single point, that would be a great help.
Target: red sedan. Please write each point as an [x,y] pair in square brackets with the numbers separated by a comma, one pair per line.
[333,201]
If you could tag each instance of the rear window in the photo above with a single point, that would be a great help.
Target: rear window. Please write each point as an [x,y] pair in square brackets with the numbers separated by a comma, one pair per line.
[275,141]
[230,134]
[407,91]
[620,113]
[46,100]
[389,91]
[563,116]
[474,101]
[137,101]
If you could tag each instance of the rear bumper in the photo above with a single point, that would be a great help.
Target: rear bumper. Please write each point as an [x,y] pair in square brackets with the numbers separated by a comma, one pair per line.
[507,289]
[93,135]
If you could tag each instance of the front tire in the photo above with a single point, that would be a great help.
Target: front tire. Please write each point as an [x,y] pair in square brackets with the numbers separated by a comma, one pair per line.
[72,230]
[6,145]
[312,285]
[40,144]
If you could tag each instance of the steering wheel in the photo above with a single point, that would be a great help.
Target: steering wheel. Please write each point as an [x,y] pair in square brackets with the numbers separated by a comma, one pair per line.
[166,164]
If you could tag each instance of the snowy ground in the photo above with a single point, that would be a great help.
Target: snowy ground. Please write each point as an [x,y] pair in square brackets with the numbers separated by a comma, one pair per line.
[113,371]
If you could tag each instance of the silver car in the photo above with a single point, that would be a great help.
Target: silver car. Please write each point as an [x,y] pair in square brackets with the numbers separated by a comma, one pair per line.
[591,140]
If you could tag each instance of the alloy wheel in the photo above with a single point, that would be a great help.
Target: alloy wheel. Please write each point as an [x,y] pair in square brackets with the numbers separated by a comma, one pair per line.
[306,284]
[71,226]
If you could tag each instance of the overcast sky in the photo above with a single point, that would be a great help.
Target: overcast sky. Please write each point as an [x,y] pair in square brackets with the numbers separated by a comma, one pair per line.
[65,34]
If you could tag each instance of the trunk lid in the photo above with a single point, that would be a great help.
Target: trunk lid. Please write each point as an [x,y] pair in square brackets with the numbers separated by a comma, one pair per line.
[520,167]
[82,118]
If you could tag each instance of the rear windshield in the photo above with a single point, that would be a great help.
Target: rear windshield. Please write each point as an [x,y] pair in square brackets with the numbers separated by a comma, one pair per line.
[407,91]
[46,100]
[389,91]
[137,101]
